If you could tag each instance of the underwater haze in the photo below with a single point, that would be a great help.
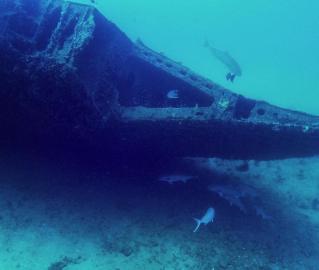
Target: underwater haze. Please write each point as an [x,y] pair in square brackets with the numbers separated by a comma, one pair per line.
[118,158]
[275,42]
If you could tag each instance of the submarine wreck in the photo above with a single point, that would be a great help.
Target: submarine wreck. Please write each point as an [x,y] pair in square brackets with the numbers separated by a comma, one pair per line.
[69,76]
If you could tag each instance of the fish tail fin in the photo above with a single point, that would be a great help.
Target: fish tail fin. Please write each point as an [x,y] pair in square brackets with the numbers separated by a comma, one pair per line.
[230,77]
[197,224]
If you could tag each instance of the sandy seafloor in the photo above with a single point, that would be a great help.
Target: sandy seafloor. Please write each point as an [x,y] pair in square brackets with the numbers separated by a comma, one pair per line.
[59,216]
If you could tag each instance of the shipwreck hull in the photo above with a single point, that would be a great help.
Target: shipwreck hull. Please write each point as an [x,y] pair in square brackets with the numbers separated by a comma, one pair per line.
[71,78]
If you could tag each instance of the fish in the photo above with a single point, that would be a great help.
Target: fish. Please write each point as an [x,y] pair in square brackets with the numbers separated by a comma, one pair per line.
[171,179]
[248,191]
[224,57]
[234,191]
[236,195]
[232,195]
[173,94]
[260,212]
[207,218]
[237,202]
[225,191]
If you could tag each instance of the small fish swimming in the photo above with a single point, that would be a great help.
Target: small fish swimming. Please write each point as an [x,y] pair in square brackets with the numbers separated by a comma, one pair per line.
[231,195]
[173,94]
[234,191]
[247,191]
[171,179]
[225,191]
[207,218]
[227,60]
[260,212]
[241,196]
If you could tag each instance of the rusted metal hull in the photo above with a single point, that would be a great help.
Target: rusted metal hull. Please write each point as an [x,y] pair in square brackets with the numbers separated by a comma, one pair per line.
[71,77]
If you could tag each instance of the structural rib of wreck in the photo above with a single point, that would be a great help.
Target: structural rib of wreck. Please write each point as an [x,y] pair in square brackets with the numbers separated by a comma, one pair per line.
[70,76]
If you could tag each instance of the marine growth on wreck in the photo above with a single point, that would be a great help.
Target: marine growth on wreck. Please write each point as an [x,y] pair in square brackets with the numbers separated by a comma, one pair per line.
[128,140]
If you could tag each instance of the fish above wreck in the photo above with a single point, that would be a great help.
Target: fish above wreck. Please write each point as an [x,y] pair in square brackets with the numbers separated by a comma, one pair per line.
[224,57]
[71,78]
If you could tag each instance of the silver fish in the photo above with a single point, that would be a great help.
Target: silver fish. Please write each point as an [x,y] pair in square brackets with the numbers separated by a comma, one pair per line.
[260,212]
[171,179]
[207,218]
[227,60]
[231,194]
[173,94]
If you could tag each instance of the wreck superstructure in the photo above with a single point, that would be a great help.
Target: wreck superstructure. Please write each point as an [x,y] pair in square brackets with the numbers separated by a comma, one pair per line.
[70,76]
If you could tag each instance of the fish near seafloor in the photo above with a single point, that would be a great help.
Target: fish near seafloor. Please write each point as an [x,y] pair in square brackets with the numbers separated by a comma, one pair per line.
[207,218]
[234,191]
[227,60]
[260,212]
[231,195]
[175,178]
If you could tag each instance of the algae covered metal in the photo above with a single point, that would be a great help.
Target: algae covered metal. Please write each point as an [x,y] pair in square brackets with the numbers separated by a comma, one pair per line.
[71,77]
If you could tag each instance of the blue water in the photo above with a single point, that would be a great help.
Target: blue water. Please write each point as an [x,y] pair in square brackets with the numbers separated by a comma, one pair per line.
[275,42]
[67,209]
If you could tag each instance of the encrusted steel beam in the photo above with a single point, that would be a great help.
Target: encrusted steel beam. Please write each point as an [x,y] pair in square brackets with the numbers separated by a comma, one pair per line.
[71,77]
